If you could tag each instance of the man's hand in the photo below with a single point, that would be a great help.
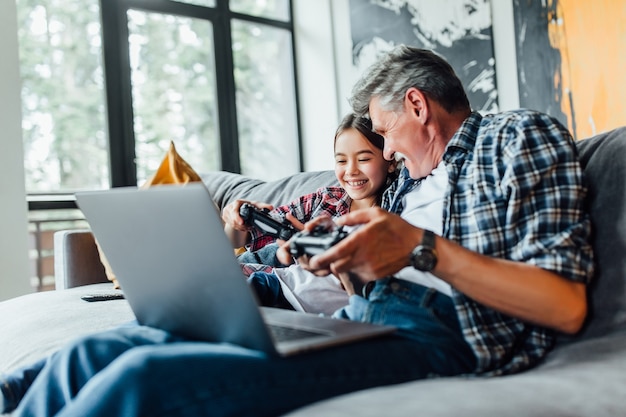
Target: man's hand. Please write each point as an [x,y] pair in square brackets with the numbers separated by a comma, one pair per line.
[284,254]
[380,247]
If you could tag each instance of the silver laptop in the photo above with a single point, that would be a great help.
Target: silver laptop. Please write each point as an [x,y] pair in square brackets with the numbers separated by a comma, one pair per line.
[178,271]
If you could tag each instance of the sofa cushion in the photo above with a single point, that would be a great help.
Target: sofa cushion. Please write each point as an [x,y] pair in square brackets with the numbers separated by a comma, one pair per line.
[35,325]
[226,187]
[604,160]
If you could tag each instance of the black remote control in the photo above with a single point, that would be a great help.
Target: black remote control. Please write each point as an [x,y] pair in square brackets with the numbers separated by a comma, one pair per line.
[103,297]
[315,242]
[260,218]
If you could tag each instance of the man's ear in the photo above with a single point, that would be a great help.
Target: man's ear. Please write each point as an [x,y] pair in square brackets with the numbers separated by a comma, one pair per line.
[415,101]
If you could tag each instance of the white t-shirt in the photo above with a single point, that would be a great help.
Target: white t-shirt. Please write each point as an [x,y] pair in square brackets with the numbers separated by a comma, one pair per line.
[423,207]
[308,292]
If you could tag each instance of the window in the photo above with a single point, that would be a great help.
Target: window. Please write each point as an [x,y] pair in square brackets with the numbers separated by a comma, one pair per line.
[63,97]
[108,84]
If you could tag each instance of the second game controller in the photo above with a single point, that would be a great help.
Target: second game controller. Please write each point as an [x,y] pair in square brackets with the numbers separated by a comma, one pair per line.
[315,242]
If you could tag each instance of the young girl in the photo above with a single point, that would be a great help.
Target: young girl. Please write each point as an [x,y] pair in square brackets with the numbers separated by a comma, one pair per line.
[363,174]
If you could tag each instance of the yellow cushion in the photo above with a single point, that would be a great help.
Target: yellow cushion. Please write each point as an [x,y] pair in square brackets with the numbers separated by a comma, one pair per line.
[173,170]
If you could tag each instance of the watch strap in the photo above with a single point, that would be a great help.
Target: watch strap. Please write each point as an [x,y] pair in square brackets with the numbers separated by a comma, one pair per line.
[428,240]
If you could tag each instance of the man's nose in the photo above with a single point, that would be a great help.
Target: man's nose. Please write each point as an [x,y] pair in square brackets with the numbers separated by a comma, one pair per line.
[389,154]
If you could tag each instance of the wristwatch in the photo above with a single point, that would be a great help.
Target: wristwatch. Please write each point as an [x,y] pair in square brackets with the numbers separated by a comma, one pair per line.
[424,256]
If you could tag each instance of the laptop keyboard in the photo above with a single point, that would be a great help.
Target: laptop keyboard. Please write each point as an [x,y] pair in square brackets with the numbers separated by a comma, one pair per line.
[283,334]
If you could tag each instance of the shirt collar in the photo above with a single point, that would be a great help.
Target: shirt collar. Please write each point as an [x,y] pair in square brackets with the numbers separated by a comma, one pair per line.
[465,137]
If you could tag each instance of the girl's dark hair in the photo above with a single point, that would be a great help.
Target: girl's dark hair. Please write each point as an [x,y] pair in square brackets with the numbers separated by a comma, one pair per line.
[364,126]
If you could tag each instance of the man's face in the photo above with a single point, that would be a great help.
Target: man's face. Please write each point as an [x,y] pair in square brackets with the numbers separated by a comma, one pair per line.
[402,133]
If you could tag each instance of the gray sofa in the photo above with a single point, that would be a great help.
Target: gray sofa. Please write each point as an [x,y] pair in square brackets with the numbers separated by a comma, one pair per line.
[585,375]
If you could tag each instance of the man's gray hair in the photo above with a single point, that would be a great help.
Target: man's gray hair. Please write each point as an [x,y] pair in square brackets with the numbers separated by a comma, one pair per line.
[402,68]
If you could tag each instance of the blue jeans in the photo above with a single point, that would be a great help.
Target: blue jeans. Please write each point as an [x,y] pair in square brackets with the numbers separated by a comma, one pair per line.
[268,291]
[142,371]
[14,385]
[264,256]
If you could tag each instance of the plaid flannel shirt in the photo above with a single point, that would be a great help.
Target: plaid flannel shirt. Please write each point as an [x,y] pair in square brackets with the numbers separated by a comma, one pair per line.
[515,192]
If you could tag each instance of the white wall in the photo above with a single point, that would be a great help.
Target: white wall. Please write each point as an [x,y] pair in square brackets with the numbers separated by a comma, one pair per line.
[504,51]
[14,272]
[317,83]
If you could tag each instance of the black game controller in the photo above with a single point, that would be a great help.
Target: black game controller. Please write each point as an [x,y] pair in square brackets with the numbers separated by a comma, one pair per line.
[316,241]
[254,216]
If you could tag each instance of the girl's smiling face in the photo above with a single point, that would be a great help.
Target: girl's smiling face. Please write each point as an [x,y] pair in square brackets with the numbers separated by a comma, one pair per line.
[360,167]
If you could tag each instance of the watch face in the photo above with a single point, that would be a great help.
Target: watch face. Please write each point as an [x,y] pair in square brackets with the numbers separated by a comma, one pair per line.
[424,259]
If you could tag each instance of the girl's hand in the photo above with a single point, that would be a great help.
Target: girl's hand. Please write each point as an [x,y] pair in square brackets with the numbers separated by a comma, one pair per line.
[284,254]
[234,226]
[344,277]
[294,221]
[231,217]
